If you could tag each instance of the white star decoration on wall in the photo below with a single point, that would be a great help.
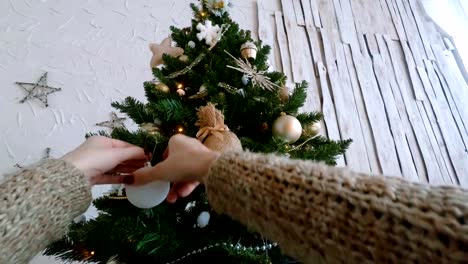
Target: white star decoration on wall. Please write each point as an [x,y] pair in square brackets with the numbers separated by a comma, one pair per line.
[39,90]
[115,122]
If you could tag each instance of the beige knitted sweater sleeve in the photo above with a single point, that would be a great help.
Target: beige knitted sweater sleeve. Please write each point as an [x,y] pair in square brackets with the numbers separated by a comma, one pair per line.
[317,213]
[36,206]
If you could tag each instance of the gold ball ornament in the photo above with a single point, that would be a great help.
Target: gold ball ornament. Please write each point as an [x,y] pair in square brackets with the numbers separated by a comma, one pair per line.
[184,58]
[218,4]
[248,50]
[313,129]
[284,93]
[287,128]
[162,87]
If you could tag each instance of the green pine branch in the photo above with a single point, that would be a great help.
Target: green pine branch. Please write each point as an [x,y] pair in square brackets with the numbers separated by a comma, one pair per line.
[296,99]
[135,109]
[172,110]
[309,118]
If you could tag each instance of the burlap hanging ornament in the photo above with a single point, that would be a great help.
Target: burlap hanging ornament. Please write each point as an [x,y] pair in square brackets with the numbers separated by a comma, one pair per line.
[213,132]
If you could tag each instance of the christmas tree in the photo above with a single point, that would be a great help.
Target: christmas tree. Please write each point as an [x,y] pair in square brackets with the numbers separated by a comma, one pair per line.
[214,83]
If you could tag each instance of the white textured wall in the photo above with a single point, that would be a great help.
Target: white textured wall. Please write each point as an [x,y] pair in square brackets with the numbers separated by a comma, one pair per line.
[452,16]
[97,51]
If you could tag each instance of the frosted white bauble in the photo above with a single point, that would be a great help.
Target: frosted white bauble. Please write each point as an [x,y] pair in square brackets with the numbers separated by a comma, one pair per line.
[245,79]
[148,195]
[191,44]
[184,58]
[203,219]
[287,128]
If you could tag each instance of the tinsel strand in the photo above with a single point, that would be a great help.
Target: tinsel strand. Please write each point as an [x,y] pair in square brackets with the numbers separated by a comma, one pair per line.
[231,89]
[238,246]
[188,68]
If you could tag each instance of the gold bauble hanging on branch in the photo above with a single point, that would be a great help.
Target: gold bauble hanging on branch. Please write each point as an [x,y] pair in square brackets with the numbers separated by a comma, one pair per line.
[313,129]
[287,128]
[162,87]
[183,58]
[284,93]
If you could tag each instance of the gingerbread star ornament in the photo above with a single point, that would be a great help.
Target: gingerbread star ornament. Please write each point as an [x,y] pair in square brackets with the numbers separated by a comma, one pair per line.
[164,48]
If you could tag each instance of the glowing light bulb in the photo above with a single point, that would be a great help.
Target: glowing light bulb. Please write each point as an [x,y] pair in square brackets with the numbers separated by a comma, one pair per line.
[203,14]
[180,130]
[180,86]
[92,253]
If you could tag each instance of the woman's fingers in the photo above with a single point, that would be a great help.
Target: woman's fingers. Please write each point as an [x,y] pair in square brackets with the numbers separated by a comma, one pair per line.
[172,196]
[129,153]
[166,154]
[181,189]
[119,143]
[187,188]
[162,171]
[128,166]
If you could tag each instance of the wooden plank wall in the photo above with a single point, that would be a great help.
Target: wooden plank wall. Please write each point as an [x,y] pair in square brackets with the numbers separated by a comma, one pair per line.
[384,76]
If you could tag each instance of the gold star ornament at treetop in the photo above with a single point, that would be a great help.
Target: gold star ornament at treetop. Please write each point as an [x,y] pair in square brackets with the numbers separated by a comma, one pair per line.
[164,48]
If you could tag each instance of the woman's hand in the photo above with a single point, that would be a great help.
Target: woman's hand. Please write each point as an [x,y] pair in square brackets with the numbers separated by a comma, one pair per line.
[103,159]
[186,162]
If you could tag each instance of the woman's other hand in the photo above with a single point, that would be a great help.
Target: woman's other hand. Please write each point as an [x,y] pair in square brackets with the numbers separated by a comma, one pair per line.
[106,161]
[186,162]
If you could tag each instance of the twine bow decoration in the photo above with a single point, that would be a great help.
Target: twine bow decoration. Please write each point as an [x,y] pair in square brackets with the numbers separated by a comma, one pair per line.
[216,131]
[211,122]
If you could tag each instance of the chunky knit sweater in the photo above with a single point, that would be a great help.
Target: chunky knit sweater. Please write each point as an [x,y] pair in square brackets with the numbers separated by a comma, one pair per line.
[36,206]
[314,212]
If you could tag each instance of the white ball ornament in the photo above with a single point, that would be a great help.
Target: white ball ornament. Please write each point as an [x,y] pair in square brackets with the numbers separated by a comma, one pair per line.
[270,67]
[287,128]
[191,44]
[148,195]
[203,219]
[184,58]
[245,79]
